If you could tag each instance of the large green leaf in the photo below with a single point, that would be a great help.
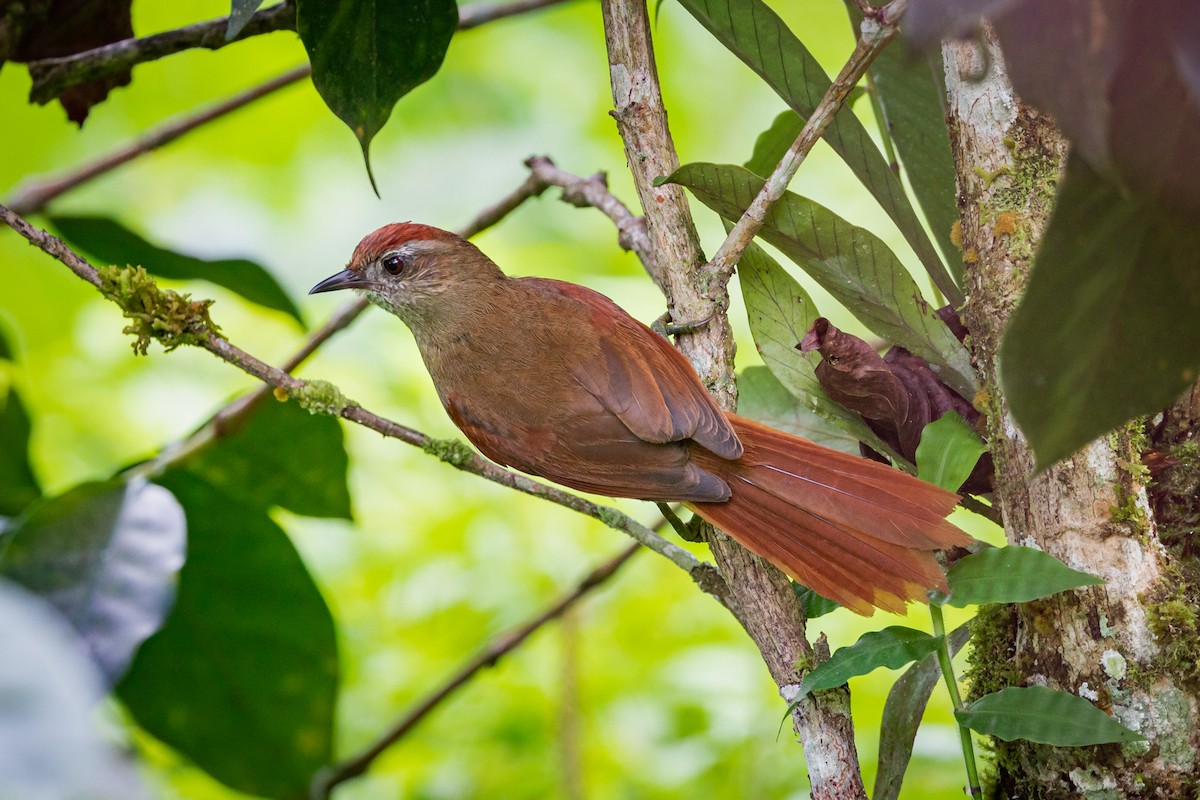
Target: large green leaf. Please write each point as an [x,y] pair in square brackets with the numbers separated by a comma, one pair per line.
[762,397]
[851,263]
[892,647]
[282,456]
[1011,574]
[1041,714]
[106,555]
[240,12]
[948,451]
[367,54]
[902,716]
[1107,328]
[18,485]
[111,242]
[49,745]
[772,143]
[243,677]
[756,35]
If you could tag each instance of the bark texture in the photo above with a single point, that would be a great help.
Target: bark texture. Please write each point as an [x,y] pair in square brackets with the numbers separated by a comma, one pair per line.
[759,595]
[1091,511]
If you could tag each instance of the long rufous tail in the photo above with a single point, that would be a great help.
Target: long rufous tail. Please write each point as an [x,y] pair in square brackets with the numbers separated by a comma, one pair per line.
[854,530]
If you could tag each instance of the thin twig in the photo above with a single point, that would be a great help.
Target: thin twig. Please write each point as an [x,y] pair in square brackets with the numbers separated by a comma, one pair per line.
[52,76]
[333,403]
[325,781]
[35,198]
[593,191]
[876,34]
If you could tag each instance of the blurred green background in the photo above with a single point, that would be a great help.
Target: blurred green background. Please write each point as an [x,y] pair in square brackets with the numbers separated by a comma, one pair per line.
[650,689]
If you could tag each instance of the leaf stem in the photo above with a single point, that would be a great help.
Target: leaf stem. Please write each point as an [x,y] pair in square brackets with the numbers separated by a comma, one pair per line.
[964,733]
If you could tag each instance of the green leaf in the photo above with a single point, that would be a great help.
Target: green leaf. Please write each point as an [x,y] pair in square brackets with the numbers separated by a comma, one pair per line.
[1106,330]
[49,745]
[814,604]
[282,456]
[902,714]
[243,677]
[892,647]
[367,54]
[1011,575]
[756,35]
[18,485]
[1040,714]
[111,242]
[911,91]
[772,143]
[948,451]
[762,397]
[240,13]
[853,264]
[106,555]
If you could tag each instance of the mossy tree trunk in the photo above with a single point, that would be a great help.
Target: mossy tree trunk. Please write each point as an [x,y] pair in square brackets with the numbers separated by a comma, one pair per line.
[1127,645]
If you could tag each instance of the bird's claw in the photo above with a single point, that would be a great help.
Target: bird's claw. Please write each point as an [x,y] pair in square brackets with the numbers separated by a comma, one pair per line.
[665,328]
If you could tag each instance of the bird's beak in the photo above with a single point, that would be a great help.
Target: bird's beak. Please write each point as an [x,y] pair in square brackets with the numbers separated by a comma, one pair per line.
[346,279]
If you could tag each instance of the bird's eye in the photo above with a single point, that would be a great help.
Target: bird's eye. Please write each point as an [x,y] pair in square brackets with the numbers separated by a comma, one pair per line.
[393,264]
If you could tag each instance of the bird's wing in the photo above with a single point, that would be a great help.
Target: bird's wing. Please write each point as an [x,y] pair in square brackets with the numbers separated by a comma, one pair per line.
[645,382]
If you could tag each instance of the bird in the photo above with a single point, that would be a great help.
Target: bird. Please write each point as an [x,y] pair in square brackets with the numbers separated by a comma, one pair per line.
[558,381]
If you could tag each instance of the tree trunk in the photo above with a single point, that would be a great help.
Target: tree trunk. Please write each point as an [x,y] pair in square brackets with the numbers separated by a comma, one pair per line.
[1104,643]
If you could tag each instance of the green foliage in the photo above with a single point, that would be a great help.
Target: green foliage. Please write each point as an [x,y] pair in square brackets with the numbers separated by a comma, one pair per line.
[906,703]
[281,456]
[49,745]
[1117,350]
[851,263]
[762,397]
[18,485]
[892,647]
[106,555]
[243,677]
[756,35]
[1011,575]
[240,12]
[1040,714]
[110,242]
[814,604]
[367,54]
[772,143]
[948,451]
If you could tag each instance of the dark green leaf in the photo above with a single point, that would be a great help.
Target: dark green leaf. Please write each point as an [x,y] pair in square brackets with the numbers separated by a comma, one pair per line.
[772,143]
[902,716]
[106,555]
[1011,575]
[243,677]
[282,456]
[18,484]
[239,14]
[1106,329]
[1040,714]
[756,34]
[892,647]
[814,604]
[762,397]
[367,54]
[853,264]
[6,352]
[912,94]
[49,746]
[111,242]
[948,451]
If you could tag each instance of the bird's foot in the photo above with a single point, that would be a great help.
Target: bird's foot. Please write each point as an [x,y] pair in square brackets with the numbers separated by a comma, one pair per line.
[688,531]
[665,328]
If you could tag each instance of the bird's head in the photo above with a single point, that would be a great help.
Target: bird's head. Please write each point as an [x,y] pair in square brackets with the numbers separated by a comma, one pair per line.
[407,268]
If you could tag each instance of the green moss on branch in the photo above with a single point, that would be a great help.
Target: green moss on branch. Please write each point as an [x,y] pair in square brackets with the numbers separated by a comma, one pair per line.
[171,318]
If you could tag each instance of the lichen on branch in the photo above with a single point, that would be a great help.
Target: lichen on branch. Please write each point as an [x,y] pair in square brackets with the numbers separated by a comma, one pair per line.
[171,318]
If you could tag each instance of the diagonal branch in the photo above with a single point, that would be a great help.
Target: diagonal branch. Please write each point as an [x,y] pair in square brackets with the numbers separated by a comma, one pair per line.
[52,76]
[35,198]
[878,30]
[325,398]
[326,780]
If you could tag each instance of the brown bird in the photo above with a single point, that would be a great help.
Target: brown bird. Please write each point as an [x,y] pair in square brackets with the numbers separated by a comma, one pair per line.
[558,381]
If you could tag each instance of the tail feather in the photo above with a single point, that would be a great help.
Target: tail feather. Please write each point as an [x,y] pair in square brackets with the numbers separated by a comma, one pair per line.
[853,530]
